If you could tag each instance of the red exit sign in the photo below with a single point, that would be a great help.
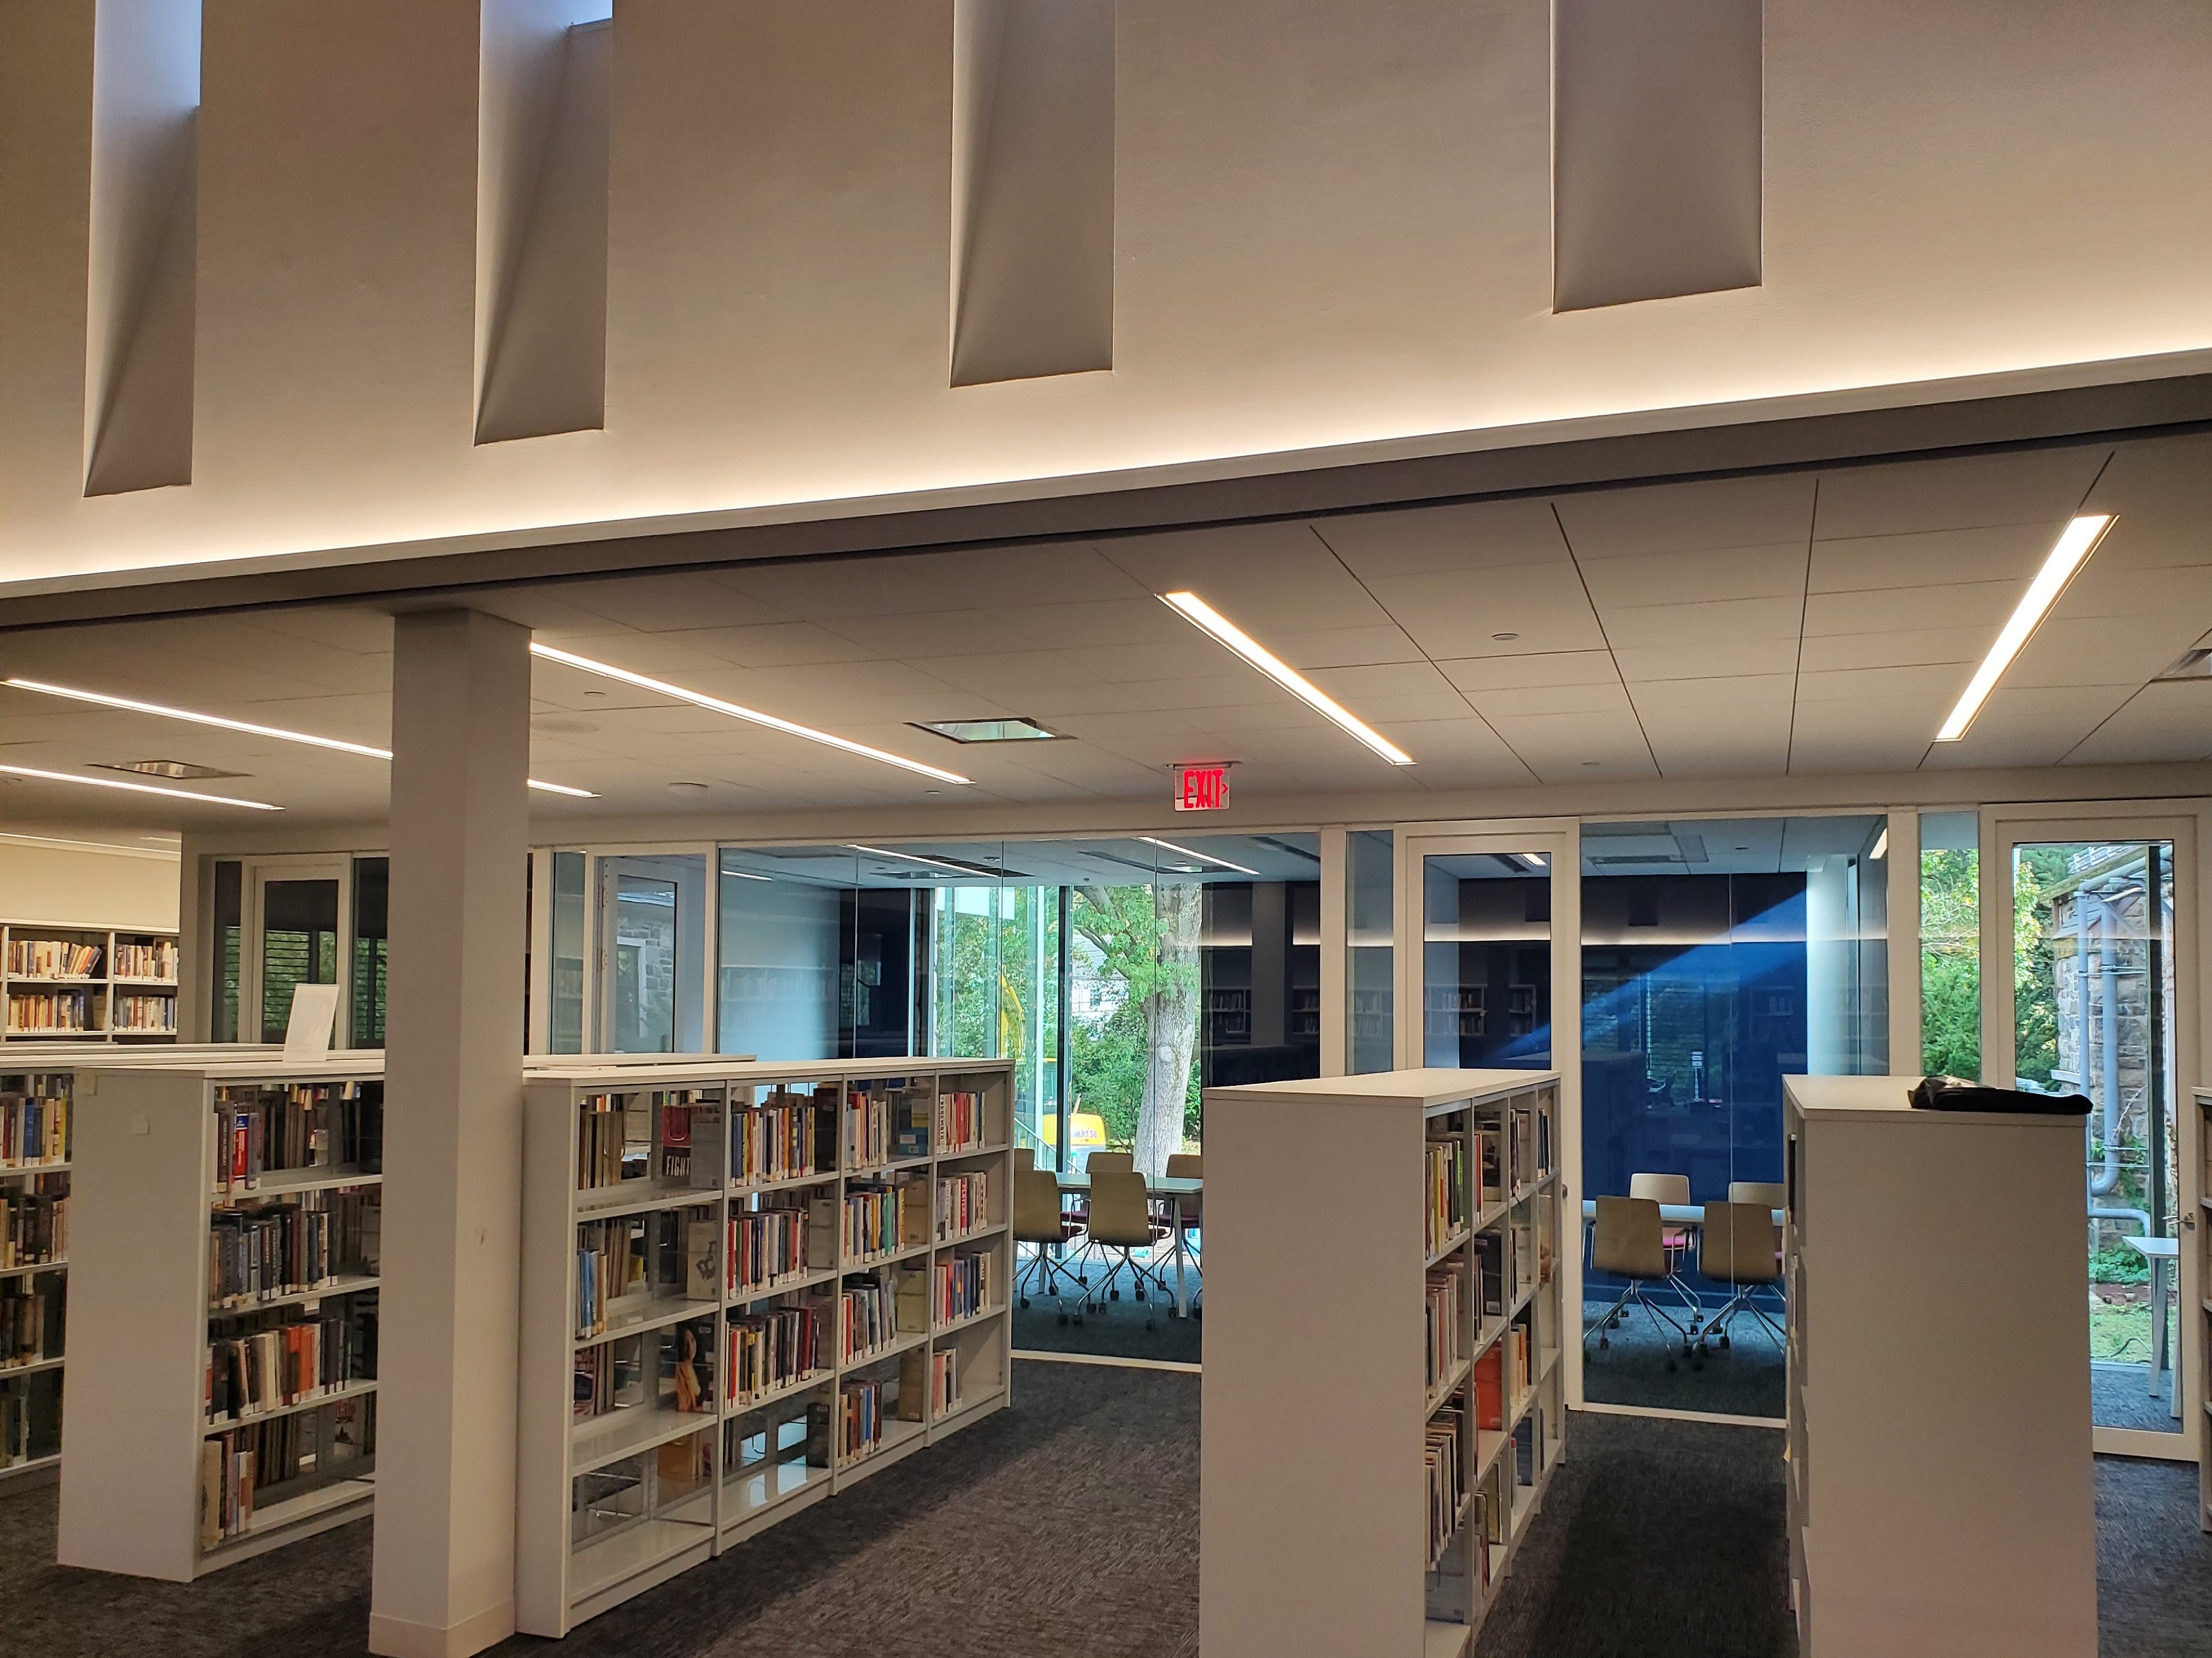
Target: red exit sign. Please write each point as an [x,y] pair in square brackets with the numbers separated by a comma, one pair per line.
[1201,788]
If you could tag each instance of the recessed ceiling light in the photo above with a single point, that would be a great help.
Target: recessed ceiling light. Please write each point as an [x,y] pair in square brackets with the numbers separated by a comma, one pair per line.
[907,857]
[1503,637]
[736,711]
[135,788]
[1193,852]
[1202,615]
[2076,543]
[177,771]
[988,730]
[193,716]
[745,874]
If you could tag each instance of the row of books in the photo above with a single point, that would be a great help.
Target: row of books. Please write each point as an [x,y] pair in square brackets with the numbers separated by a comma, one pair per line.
[157,960]
[57,1012]
[34,1129]
[963,1205]
[285,1128]
[674,1367]
[785,1137]
[770,1245]
[1447,1318]
[52,958]
[958,1287]
[960,1126]
[1503,1377]
[35,1223]
[237,1468]
[29,1425]
[614,1140]
[30,1323]
[770,1350]
[302,1359]
[858,1428]
[291,1248]
[611,1261]
[869,1314]
[1531,1144]
[1445,1214]
[879,1220]
[1444,1456]
[930,1377]
[880,1127]
[148,1015]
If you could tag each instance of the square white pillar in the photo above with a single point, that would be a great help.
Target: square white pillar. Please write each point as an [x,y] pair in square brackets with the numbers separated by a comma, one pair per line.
[444,1582]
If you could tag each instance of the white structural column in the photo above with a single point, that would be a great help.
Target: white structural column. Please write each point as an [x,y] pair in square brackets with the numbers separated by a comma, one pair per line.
[453,1137]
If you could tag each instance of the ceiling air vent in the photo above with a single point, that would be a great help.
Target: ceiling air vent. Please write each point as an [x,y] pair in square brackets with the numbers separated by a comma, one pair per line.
[175,770]
[2194,664]
[989,731]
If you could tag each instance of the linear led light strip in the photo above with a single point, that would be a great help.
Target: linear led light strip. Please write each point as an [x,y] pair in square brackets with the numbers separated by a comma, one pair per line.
[1202,857]
[2075,545]
[906,857]
[194,717]
[136,788]
[716,704]
[1205,615]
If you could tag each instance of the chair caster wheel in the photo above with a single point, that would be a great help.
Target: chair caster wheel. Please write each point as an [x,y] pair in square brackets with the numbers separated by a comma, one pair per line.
[1078,1320]
[1025,1302]
[1198,1312]
[1114,1296]
[1140,1294]
[1724,1341]
[1604,1341]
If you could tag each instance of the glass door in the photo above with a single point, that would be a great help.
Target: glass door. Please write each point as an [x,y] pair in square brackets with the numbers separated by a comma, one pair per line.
[294,928]
[1487,971]
[2101,968]
[652,953]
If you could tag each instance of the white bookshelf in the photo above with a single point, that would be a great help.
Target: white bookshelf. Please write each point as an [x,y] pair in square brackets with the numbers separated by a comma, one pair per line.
[1944,1509]
[126,992]
[611,1504]
[34,1180]
[1314,1511]
[144,1204]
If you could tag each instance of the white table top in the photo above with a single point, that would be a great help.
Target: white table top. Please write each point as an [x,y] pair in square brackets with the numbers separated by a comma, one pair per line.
[1685,1214]
[2169,1247]
[1165,1186]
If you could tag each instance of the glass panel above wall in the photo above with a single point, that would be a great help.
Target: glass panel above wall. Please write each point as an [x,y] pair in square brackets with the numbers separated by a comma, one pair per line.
[1371,901]
[1950,945]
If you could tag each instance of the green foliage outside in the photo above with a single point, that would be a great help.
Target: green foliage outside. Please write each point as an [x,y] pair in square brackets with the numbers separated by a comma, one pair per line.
[1142,941]
[2035,980]
[1950,965]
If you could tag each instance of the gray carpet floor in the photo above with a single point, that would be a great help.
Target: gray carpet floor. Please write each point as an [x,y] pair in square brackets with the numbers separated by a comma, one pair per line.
[1069,1525]
[1747,1379]
[2120,1397]
[1128,1329]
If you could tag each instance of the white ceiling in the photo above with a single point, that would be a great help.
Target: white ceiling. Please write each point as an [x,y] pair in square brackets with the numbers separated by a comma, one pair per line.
[1805,622]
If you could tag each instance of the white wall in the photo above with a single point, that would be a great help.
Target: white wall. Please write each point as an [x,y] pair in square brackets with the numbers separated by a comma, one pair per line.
[45,880]
[1332,227]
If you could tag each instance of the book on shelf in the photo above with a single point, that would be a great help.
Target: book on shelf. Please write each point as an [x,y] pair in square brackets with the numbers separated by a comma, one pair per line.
[1447,1215]
[688,1365]
[772,1350]
[702,1261]
[960,1126]
[1490,1262]
[240,1465]
[1498,1509]
[1447,1476]
[1490,1165]
[52,958]
[35,1221]
[301,1358]
[854,1424]
[30,1323]
[157,960]
[1524,1257]
[614,1141]
[61,1013]
[1447,1317]
[960,1287]
[34,1126]
[786,1136]
[929,1384]
[293,1128]
[963,1205]
[1490,1388]
[294,1247]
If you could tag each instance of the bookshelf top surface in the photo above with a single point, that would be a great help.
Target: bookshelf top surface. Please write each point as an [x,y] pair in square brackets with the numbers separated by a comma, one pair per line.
[1885,1099]
[595,1073]
[1425,1088]
[260,1065]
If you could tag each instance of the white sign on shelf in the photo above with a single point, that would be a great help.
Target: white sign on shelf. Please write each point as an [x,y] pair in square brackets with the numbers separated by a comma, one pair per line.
[315,1015]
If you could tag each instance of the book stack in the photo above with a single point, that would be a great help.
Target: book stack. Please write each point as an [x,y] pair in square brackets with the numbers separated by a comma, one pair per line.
[241,1470]
[27,1312]
[14,1429]
[1526,1168]
[35,1223]
[155,960]
[963,1205]
[262,1130]
[1447,1216]
[929,1382]
[610,1263]
[771,1351]
[867,1137]
[960,1288]
[62,1013]
[1447,1307]
[767,1245]
[614,1136]
[859,1427]
[1489,1152]
[1490,1262]
[258,1255]
[1525,1258]
[34,1126]
[867,1317]
[1446,1473]
[781,1138]
[52,958]
[1520,1355]
[303,1358]
[910,1124]
[880,1219]
[152,1016]
[959,1122]
[690,1149]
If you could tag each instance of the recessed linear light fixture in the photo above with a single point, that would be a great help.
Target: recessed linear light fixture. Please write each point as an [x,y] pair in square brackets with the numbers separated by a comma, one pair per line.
[2075,544]
[135,788]
[1192,851]
[1534,860]
[988,730]
[754,716]
[1202,615]
[193,716]
[906,858]
[1880,845]
[177,771]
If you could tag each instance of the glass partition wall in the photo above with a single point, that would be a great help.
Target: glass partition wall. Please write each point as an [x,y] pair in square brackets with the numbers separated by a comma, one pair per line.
[1718,957]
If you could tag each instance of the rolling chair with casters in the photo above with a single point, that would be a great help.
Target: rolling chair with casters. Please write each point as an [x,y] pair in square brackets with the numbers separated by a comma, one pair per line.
[1122,1220]
[1024,1159]
[1769,1195]
[1191,1165]
[1040,1222]
[1099,1162]
[1675,1189]
[1742,1248]
[1628,1242]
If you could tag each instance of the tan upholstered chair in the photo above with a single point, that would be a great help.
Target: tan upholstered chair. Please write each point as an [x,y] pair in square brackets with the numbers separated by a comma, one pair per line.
[1024,1158]
[1040,1223]
[1629,1242]
[1189,1165]
[1121,1221]
[1671,1189]
[1742,1248]
[1110,1163]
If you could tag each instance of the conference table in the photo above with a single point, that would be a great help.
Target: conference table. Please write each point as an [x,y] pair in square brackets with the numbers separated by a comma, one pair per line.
[2164,1255]
[1173,1189]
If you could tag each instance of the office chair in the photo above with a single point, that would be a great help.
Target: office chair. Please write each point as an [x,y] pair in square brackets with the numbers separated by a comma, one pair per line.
[1191,1165]
[1674,1189]
[1040,1223]
[1629,1242]
[1741,1247]
[1099,1162]
[1121,1218]
[1024,1159]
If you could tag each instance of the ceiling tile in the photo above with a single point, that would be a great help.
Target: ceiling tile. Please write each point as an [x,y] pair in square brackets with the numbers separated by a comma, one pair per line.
[1414,541]
[1728,656]
[1933,558]
[1655,626]
[2036,486]
[1681,517]
[1680,577]
[1482,673]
